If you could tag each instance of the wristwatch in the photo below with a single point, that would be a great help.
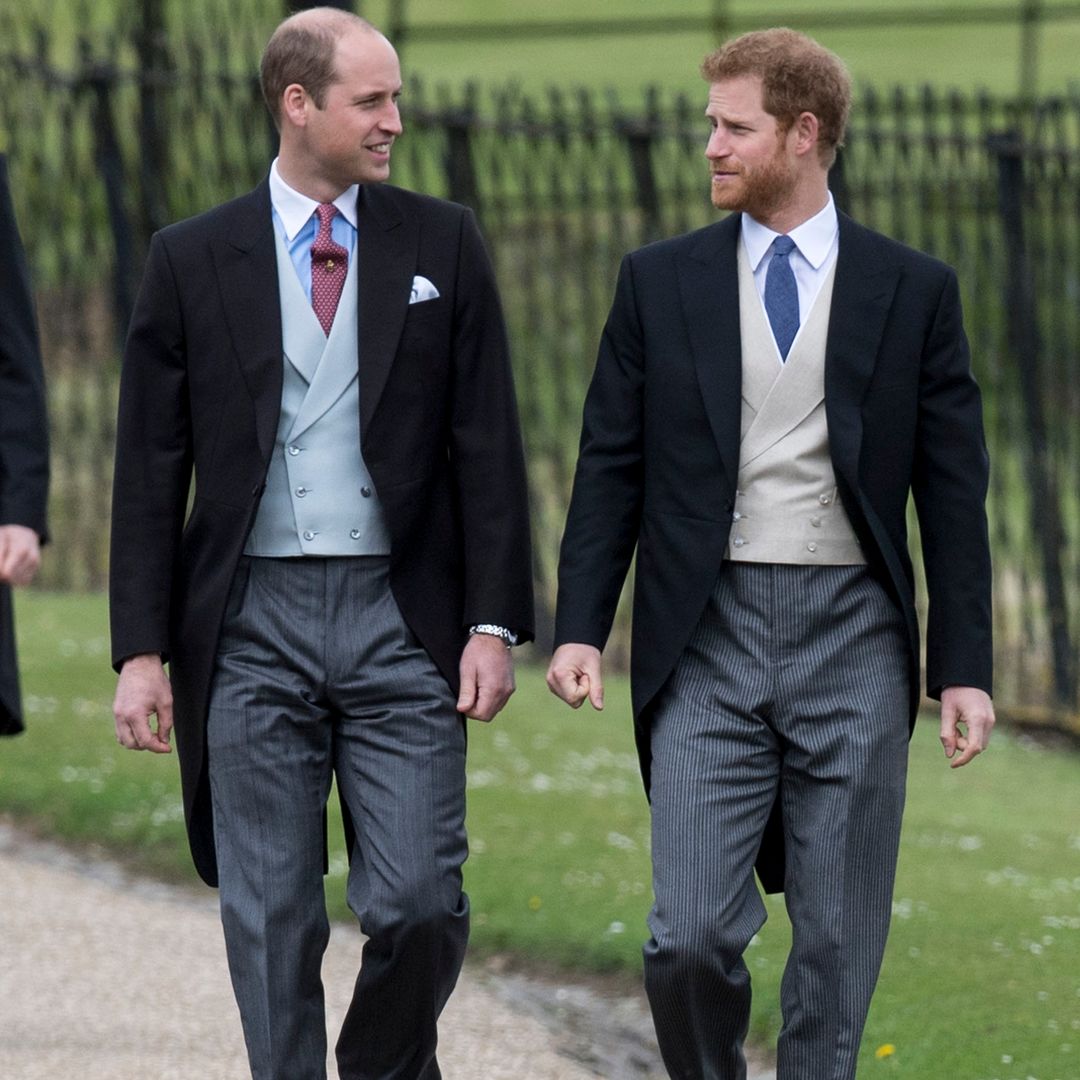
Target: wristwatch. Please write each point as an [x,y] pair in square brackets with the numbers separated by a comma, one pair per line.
[508,637]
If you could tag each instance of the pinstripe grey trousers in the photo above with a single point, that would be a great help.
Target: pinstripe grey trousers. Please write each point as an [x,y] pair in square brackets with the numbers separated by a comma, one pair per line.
[318,676]
[795,676]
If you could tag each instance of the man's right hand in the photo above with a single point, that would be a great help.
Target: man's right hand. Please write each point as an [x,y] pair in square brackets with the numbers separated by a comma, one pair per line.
[142,691]
[20,554]
[574,675]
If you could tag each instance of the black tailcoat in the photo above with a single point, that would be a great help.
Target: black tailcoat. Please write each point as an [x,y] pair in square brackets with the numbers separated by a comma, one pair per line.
[660,455]
[201,395]
[24,431]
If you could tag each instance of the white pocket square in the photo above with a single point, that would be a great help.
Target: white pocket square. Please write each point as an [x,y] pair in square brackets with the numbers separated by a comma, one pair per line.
[422,289]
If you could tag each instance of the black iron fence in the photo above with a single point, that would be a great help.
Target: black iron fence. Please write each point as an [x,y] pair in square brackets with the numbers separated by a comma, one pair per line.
[102,151]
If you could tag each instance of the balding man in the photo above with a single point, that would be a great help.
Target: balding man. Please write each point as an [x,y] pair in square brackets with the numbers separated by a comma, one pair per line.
[326,358]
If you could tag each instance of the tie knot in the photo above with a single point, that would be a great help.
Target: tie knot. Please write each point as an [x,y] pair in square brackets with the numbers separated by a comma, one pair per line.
[783,245]
[325,213]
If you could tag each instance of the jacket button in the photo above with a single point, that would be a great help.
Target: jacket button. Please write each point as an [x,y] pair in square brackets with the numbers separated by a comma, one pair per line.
[366,492]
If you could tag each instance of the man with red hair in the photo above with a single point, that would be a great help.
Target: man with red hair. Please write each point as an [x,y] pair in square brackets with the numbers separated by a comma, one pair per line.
[768,392]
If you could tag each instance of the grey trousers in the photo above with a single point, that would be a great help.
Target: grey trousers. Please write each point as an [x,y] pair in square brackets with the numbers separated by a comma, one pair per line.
[318,676]
[794,676]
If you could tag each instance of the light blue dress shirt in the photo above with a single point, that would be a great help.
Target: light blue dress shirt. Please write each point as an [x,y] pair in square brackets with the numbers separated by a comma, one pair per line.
[294,218]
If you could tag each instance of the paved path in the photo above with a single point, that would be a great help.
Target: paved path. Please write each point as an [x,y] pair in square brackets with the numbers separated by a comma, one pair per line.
[107,977]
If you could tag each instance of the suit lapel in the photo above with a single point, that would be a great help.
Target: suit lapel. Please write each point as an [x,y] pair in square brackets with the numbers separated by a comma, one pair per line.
[245,260]
[386,245]
[797,390]
[866,281]
[335,371]
[794,396]
[709,289]
[302,336]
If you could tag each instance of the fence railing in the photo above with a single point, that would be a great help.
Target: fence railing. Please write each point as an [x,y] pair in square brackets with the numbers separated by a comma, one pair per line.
[100,155]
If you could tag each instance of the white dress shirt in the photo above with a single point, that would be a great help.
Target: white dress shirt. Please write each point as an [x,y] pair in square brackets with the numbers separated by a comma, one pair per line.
[816,245]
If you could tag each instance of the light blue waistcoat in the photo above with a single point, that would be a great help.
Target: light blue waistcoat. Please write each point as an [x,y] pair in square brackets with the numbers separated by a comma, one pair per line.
[319,498]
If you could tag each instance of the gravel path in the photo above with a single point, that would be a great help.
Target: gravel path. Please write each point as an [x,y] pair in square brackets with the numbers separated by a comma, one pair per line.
[108,977]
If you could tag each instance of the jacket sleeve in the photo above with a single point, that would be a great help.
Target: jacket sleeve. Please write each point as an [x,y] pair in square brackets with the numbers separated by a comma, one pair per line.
[24,434]
[605,509]
[153,466]
[486,451]
[949,484]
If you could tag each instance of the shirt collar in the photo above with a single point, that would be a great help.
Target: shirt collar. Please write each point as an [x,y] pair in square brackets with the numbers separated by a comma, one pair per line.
[295,210]
[814,237]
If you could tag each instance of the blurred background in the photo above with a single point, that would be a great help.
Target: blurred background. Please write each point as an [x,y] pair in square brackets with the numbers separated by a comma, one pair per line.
[576,130]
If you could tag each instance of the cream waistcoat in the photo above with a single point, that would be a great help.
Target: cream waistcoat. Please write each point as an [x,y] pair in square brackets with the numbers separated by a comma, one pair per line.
[787,509]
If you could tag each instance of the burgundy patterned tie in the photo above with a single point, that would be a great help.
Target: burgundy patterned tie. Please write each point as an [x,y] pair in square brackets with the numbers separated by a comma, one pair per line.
[329,264]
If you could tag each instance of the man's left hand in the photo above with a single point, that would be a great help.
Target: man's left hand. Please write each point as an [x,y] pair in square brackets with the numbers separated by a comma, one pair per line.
[967,718]
[20,554]
[487,677]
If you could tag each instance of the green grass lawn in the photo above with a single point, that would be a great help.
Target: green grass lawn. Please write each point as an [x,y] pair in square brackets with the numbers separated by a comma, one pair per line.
[982,974]
[957,55]
[964,56]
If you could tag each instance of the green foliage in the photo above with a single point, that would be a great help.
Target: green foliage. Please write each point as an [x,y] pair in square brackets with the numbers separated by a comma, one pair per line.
[982,973]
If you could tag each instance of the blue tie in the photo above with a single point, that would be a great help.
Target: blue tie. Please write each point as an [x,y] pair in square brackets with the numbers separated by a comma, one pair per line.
[781,295]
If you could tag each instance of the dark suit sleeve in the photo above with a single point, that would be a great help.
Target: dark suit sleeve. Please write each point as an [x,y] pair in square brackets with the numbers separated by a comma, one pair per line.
[24,438]
[486,451]
[605,509]
[949,484]
[153,466]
